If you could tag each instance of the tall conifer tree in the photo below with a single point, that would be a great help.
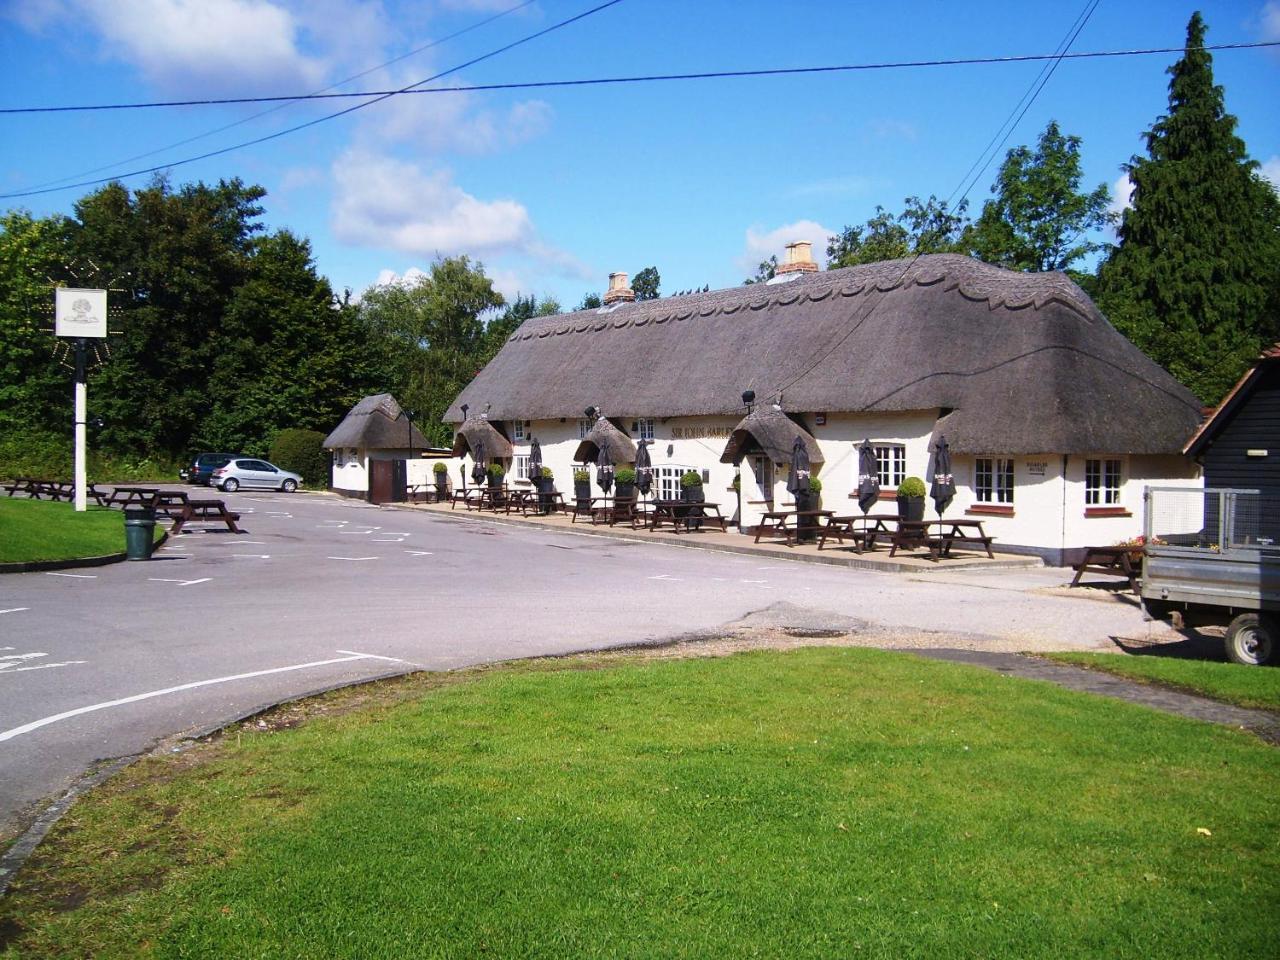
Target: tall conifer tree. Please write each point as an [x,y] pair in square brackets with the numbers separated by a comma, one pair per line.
[1195,280]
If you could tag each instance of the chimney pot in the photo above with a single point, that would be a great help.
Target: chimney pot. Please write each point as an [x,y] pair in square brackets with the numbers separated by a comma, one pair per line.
[798,258]
[618,291]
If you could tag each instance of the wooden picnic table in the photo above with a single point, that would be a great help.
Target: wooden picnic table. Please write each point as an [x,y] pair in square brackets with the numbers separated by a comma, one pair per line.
[939,536]
[131,496]
[775,523]
[526,502]
[466,496]
[1116,561]
[684,513]
[862,529]
[196,510]
[170,503]
[608,510]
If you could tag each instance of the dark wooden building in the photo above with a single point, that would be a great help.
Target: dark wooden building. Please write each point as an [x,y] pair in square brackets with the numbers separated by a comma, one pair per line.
[1239,445]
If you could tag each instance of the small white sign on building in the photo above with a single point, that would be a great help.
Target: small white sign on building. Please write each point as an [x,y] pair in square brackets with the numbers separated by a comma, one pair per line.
[80,313]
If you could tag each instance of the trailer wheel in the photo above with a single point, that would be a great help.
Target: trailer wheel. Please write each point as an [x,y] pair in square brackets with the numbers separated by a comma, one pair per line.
[1250,640]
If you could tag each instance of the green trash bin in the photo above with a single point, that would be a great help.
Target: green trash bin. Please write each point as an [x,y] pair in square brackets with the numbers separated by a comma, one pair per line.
[139,530]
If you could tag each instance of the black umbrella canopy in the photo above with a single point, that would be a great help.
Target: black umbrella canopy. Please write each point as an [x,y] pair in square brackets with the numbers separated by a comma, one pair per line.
[644,468]
[477,454]
[535,459]
[868,475]
[604,470]
[943,488]
[799,479]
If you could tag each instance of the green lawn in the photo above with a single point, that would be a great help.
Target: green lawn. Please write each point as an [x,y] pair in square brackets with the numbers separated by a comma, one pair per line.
[1230,682]
[818,803]
[44,530]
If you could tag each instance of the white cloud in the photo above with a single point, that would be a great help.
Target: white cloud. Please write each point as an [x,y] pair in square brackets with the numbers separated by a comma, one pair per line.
[300,178]
[1121,195]
[452,121]
[383,202]
[1270,170]
[206,46]
[1269,20]
[388,277]
[761,244]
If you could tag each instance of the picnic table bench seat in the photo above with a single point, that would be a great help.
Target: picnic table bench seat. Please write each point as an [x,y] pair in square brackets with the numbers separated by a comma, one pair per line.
[194,510]
[1115,561]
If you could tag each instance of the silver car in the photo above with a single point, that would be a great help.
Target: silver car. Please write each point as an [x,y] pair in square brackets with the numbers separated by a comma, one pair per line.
[247,472]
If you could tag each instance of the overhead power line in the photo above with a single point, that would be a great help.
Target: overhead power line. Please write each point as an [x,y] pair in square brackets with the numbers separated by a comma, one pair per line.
[641,78]
[287,102]
[375,98]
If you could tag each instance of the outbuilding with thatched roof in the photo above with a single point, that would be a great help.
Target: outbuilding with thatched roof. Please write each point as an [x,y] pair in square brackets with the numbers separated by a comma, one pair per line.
[1054,420]
[376,429]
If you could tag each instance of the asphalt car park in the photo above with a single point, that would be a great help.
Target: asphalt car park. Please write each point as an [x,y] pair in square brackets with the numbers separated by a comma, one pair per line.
[317,591]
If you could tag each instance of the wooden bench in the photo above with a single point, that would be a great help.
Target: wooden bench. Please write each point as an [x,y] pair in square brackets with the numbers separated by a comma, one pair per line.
[170,503]
[775,524]
[1116,561]
[131,496]
[196,510]
[689,515]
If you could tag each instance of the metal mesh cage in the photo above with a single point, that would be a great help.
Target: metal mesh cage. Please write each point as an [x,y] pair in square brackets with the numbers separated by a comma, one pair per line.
[1212,519]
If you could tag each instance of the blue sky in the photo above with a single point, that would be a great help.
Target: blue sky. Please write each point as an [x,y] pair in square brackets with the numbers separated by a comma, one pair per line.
[554,188]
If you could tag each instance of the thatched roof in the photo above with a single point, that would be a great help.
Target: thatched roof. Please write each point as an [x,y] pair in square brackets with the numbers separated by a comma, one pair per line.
[376,423]
[622,449]
[481,440]
[1025,363]
[771,432]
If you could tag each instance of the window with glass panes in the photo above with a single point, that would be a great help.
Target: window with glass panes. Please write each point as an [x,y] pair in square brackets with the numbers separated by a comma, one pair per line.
[1101,483]
[666,482]
[520,431]
[584,427]
[891,464]
[642,429]
[993,480]
[522,467]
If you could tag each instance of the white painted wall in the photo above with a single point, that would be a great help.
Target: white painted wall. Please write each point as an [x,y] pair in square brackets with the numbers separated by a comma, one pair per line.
[351,470]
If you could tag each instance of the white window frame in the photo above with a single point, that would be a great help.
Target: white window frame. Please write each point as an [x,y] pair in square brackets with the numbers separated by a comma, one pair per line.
[891,464]
[1103,479]
[762,476]
[521,430]
[666,481]
[643,428]
[521,466]
[584,427]
[993,480]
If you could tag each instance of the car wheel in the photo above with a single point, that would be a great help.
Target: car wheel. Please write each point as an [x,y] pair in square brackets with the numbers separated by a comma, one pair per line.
[289,486]
[231,485]
[1250,640]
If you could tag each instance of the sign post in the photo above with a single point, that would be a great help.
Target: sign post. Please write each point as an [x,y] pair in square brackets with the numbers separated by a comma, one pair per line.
[79,315]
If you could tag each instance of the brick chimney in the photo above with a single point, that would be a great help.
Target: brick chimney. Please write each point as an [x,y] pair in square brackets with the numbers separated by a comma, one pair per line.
[798,258]
[618,291]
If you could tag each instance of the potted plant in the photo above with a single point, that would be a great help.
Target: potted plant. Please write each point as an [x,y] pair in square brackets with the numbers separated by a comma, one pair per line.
[624,479]
[496,474]
[441,471]
[544,482]
[582,488]
[911,499]
[691,492]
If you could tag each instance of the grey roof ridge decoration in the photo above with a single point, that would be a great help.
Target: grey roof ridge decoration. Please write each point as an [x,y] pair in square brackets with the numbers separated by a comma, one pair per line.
[376,422]
[774,434]
[972,279]
[1019,363]
[605,433]
[477,430]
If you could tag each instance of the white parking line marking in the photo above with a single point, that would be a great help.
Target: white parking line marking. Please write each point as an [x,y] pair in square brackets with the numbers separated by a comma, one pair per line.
[360,533]
[181,583]
[256,543]
[351,558]
[13,610]
[755,581]
[387,540]
[373,656]
[663,576]
[10,664]
[414,553]
[75,576]
[48,666]
[252,556]
[66,715]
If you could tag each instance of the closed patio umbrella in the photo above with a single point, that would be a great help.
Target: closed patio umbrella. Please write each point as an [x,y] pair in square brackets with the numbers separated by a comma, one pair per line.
[535,459]
[943,488]
[799,478]
[868,475]
[644,468]
[477,454]
[604,470]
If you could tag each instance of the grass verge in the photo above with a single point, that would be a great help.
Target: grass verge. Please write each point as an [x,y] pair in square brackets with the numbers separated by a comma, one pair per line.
[1229,682]
[817,803]
[44,530]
